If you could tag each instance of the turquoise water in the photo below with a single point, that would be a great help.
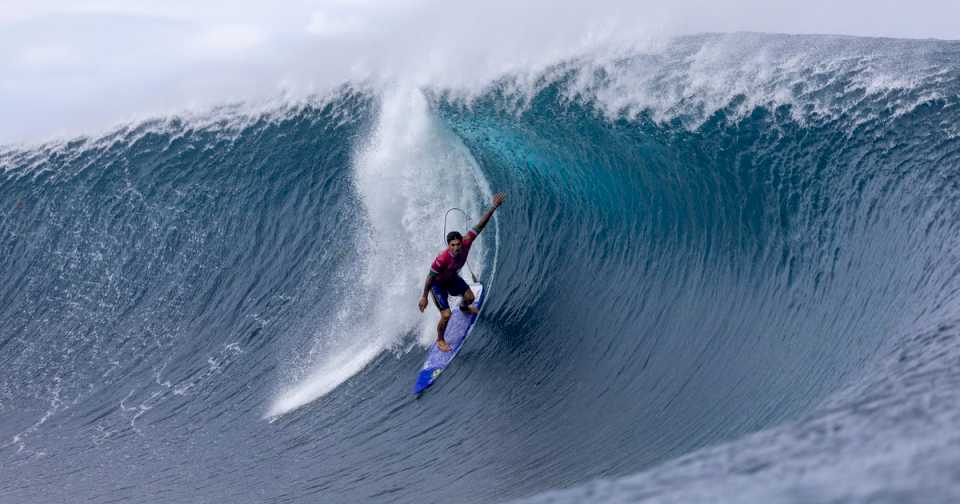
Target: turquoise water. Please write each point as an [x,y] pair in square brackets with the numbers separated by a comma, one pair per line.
[724,270]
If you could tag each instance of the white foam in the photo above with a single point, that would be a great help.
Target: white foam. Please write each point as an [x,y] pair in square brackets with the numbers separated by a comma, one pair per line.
[63,69]
[333,370]
[408,174]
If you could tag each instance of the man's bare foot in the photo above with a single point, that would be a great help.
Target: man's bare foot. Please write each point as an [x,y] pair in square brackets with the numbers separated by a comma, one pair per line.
[470,309]
[443,346]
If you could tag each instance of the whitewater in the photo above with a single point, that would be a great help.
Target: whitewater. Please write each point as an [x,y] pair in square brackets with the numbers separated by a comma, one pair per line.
[727,270]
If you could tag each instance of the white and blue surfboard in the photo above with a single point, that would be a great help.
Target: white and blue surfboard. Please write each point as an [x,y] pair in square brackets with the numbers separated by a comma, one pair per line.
[458,330]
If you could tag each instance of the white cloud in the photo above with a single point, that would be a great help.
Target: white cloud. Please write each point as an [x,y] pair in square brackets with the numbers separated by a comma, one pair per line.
[55,56]
[229,40]
[325,24]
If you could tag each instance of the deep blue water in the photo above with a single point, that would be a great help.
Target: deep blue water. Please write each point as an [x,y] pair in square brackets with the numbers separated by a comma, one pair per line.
[727,270]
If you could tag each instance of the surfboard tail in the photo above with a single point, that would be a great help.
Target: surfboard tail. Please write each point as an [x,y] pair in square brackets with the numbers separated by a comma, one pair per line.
[458,329]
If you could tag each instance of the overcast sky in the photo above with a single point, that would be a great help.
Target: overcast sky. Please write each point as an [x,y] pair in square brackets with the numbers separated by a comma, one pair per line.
[68,67]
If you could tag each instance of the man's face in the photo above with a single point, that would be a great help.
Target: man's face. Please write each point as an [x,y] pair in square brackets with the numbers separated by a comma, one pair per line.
[454,246]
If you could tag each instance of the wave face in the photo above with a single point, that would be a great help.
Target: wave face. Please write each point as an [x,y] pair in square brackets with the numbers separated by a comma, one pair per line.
[727,269]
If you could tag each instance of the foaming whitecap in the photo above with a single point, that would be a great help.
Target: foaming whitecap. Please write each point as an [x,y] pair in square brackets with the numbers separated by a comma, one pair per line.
[65,73]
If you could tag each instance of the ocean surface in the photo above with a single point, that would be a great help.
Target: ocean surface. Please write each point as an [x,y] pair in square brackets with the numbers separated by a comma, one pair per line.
[727,270]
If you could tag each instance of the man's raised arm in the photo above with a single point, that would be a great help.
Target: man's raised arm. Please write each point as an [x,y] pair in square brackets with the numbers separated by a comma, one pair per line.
[497,201]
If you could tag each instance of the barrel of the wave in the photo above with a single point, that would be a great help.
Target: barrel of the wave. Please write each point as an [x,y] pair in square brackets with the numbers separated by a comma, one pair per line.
[458,330]
[443,281]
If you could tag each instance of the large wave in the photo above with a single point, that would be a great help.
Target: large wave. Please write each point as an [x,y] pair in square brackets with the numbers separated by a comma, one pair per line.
[726,267]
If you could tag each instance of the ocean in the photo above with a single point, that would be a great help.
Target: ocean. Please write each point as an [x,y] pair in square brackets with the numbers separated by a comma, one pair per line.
[727,270]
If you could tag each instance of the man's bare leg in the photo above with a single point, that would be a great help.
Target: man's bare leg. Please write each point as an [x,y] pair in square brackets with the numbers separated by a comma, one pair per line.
[441,328]
[467,305]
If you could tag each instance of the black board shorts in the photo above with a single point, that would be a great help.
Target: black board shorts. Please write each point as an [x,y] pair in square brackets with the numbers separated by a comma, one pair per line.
[452,287]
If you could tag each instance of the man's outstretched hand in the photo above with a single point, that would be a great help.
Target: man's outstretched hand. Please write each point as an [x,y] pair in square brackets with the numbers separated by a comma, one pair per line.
[423,303]
[498,198]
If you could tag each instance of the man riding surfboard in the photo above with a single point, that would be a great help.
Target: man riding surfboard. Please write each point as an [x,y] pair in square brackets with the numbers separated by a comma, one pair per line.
[444,277]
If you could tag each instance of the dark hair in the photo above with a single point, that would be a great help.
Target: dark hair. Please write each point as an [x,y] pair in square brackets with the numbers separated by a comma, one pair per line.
[453,235]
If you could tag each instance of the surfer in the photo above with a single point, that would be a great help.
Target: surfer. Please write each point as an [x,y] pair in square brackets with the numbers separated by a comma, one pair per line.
[444,277]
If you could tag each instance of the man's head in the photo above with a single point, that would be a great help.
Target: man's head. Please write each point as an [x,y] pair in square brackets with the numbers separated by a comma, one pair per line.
[454,242]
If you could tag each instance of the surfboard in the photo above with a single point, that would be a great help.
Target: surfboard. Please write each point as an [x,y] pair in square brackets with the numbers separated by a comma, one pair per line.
[458,330]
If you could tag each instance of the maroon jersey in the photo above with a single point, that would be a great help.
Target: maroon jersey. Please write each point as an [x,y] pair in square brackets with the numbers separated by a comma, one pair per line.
[446,266]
